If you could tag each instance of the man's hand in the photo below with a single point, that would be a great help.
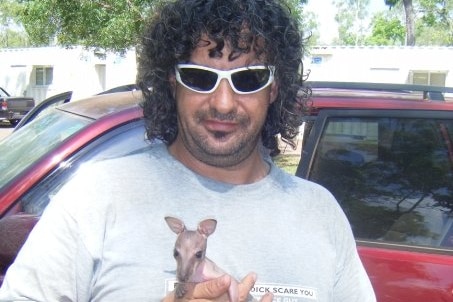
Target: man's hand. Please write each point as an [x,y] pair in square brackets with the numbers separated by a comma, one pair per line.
[217,290]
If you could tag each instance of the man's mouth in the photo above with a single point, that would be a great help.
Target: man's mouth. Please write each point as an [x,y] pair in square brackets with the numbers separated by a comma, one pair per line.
[217,126]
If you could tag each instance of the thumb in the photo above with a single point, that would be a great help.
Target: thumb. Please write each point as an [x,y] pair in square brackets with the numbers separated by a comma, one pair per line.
[268,297]
[212,289]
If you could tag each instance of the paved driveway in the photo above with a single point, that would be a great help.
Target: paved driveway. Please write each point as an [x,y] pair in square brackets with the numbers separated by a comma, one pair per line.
[5,130]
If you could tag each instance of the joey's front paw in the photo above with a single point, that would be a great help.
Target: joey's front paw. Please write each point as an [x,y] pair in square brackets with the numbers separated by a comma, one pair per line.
[180,290]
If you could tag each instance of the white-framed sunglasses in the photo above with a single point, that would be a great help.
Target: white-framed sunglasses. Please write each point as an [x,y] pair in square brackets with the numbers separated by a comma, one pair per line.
[243,80]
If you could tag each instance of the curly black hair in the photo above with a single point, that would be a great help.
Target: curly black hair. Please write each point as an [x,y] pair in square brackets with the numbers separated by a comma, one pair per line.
[177,28]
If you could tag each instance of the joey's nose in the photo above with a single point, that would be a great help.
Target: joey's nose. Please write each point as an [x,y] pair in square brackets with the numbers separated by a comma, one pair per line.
[223,98]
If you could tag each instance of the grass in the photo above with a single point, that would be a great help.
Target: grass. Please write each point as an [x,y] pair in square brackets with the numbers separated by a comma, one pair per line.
[287,162]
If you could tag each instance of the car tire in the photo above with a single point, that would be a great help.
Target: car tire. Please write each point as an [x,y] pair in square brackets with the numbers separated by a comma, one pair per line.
[14,122]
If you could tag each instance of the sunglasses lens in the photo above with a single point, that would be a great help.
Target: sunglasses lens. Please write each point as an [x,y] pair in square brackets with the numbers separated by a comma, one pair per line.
[250,80]
[204,79]
[198,79]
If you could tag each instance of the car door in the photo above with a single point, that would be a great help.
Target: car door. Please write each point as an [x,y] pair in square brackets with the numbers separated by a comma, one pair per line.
[392,173]
[14,228]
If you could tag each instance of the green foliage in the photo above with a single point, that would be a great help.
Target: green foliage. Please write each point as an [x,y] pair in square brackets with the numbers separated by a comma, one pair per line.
[433,20]
[391,2]
[386,31]
[310,27]
[113,25]
[307,20]
[287,162]
[433,36]
[8,12]
[13,39]
[435,26]
[11,34]
[351,16]
[116,24]
[106,24]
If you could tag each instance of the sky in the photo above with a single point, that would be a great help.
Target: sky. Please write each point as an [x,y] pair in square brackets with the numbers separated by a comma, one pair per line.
[325,11]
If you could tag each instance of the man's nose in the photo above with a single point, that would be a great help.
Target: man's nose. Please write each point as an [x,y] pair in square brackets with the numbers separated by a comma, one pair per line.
[223,98]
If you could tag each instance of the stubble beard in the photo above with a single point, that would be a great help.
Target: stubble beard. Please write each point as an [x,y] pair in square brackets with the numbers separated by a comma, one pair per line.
[202,145]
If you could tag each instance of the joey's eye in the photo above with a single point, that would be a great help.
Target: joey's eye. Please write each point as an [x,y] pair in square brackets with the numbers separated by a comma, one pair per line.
[175,253]
[199,254]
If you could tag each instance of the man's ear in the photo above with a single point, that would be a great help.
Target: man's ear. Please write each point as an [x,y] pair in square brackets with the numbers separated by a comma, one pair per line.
[274,92]
[172,80]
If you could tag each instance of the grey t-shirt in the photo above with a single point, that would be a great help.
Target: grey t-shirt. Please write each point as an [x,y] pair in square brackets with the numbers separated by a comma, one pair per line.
[104,238]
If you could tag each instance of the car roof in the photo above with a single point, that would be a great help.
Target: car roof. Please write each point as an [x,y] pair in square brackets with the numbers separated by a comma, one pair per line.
[336,95]
[98,106]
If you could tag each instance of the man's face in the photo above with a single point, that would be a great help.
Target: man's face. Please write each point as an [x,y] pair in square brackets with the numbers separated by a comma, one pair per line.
[221,128]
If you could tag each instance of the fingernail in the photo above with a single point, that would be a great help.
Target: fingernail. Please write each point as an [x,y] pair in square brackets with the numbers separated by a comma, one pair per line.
[254,277]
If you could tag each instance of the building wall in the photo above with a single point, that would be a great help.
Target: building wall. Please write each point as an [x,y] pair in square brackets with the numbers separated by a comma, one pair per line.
[76,69]
[380,64]
[86,73]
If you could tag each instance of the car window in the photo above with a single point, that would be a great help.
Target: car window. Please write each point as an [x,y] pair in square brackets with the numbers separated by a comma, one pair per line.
[392,176]
[123,141]
[21,149]
[43,107]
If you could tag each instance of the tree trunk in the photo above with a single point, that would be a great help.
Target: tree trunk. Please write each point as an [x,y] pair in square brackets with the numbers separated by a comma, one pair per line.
[410,23]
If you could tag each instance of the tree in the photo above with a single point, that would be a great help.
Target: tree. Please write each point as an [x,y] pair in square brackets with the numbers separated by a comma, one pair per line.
[103,24]
[351,18]
[435,27]
[11,33]
[431,21]
[386,30]
[112,25]
[410,19]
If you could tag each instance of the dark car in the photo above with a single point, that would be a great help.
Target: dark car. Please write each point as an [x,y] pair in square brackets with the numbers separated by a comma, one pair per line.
[386,153]
[14,108]
[63,98]
[48,103]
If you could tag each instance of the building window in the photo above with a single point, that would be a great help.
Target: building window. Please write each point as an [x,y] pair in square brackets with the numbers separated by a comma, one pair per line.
[43,76]
[316,60]
[425,77]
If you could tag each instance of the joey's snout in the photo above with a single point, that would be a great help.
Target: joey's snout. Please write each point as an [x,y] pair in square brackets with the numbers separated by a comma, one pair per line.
[187,270]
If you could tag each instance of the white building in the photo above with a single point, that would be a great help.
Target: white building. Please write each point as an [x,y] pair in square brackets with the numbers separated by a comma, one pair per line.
[43,72]
[46,71]
[382,64]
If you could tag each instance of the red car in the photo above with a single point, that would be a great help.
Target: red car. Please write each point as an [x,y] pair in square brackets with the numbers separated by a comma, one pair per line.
[39,158]
[355,143]
[386,153]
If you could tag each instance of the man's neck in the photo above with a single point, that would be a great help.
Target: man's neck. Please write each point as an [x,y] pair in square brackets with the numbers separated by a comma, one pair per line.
[250,170]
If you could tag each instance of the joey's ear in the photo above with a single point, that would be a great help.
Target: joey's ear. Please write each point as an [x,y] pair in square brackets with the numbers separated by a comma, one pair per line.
[207,227]
[175,224]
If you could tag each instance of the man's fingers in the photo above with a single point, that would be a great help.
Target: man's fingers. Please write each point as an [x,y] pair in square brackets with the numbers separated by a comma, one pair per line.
[268,297]
[216,288]
[246,286]
[212,289]
[169,298]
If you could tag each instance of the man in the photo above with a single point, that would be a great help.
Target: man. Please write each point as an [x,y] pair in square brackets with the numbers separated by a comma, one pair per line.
[220,79]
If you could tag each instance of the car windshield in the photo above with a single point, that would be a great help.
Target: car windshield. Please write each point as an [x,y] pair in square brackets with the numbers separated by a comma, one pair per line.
[22,148]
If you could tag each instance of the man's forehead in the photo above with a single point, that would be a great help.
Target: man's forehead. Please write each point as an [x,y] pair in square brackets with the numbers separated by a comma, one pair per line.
[224,48]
